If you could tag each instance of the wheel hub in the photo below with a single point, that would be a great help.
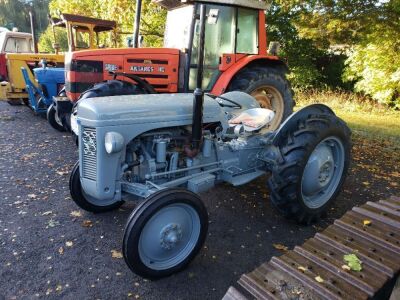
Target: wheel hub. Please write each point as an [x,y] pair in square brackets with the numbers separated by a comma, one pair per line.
[318,171]
[323,172]
[170,236]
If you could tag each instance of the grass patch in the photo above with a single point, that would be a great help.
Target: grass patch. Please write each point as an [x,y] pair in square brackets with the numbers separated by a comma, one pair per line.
[364,116]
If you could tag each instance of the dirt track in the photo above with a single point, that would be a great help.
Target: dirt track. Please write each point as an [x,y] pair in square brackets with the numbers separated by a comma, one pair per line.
[50,248]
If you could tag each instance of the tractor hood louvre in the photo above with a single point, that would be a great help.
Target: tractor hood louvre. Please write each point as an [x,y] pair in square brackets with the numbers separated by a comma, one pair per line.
[139,109]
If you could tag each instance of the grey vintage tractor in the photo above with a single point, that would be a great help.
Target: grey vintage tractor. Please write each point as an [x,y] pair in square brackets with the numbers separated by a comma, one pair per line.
[162,150]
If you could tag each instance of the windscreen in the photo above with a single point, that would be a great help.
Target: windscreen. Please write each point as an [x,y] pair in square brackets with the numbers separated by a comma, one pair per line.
[177,30]
[18,45]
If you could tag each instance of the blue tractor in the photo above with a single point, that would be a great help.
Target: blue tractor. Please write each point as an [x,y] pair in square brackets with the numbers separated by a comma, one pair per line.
[49,83]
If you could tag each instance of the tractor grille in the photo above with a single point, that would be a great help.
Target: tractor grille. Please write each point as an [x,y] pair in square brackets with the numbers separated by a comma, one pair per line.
[89,144]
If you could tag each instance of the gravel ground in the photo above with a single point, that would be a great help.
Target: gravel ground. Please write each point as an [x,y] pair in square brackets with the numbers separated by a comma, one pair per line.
[49,248]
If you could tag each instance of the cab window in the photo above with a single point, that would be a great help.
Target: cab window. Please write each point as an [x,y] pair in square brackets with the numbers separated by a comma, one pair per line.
[247,29]
[18,45]
[81,37]
[219,39]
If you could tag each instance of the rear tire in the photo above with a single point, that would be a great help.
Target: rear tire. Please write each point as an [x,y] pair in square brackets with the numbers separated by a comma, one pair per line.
[53,119]
[314,162]
[271,89]
[164,233]
[112,88]
[83,200]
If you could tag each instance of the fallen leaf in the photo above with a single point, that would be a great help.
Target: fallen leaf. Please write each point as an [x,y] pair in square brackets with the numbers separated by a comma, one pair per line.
[76,213]
[69,244]
[58,288]
[116,254]
[346,268]
[31,196]
[53,223]
[319,279]
[367,222]
[46,213]
[301,268]
[353,262]
[280,247]
[87,223]
[61,250]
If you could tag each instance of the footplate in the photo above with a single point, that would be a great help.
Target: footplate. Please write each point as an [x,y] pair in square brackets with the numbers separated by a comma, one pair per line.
[316,270]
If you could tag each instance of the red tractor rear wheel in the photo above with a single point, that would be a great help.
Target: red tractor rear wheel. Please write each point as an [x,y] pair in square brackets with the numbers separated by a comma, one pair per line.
[271,89]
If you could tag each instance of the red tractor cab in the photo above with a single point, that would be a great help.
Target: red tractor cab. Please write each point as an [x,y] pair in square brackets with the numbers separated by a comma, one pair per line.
[235,56]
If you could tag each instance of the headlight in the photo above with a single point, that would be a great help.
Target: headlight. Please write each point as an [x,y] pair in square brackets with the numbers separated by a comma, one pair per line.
[114,142]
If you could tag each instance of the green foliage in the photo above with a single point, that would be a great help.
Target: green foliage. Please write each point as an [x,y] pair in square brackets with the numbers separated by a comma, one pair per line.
[369,27]
[353,262]
[15,13]
[47,40]
[310,65]
[300,52]
[375,66]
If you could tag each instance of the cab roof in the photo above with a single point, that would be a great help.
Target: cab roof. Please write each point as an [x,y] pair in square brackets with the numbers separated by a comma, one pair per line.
[254,4]
[100,25]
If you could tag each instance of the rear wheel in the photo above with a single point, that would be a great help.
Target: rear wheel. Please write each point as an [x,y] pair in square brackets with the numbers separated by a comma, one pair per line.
[271,89]
[112,88]
[85,201]
[315,160]
[164,233]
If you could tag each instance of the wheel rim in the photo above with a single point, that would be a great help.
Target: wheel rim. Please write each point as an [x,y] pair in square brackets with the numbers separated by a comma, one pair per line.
[56,118]
[169,236]
[323,172]
[269,97]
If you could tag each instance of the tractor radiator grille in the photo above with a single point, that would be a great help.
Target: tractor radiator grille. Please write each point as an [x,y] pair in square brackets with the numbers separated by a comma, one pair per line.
[89,144]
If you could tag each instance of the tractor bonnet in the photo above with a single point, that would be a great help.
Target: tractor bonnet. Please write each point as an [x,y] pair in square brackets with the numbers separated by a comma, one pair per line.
[140,109]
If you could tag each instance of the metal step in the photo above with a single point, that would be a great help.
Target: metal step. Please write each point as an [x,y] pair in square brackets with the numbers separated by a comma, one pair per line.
[293,275]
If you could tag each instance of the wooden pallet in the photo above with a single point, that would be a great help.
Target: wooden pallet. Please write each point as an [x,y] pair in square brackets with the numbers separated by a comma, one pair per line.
[294,275]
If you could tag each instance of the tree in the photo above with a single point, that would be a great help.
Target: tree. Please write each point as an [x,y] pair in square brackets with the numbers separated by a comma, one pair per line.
[15,13]
[121,11]
[370,27]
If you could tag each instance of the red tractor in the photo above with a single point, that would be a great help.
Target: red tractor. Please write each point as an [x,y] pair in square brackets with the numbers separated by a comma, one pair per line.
[235,59]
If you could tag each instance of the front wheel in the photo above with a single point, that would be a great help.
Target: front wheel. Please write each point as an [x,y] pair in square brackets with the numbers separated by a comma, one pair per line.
[85,201]
[164,233]
[315,160]
[53,118]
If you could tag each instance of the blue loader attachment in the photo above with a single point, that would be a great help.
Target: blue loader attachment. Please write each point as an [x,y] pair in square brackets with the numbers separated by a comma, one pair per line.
[49,83]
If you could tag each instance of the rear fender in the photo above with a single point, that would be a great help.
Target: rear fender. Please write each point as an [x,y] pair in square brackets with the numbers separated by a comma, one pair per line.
[226,77]
[291,122]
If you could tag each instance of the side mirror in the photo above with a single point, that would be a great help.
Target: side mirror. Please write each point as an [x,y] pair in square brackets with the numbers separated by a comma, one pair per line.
[212,18]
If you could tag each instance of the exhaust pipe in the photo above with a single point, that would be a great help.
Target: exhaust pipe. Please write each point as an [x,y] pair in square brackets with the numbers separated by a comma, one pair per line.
[137,23]
[33,31]
[198,96]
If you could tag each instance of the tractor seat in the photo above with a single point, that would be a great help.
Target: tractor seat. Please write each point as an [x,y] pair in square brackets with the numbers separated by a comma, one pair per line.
[252,119]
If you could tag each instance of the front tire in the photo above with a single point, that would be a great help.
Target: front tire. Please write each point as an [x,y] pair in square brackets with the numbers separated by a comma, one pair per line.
[84,201]
[53,119]
[315,160]
[269,87]
[165,233]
